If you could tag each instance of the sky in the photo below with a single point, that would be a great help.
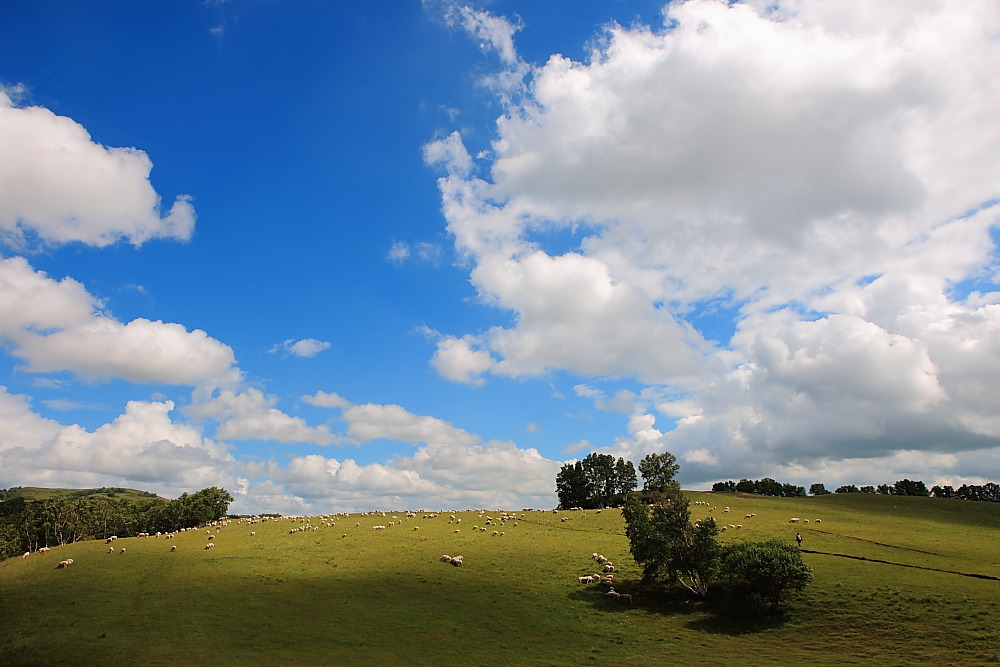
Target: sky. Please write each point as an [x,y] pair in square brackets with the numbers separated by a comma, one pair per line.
[341,256]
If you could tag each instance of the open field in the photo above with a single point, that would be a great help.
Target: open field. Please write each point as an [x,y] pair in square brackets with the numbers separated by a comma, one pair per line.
[384,597]
[29,493]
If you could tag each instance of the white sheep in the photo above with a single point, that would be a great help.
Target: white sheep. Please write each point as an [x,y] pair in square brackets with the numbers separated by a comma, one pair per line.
[173,548]
[28,553]
[586,580]
[122,551]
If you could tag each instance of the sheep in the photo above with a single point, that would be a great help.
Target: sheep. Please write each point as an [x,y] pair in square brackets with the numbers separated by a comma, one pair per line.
[111,550]
[612,594]
[495,533]
[416,528]
[586,580]
[343,535]
[65,563]
[445,558]
[173,548]
[626,597]
[457,529]
[252,533]
[122,551]
[457,561]
[819,520]
[608,567]
[26,554]
[794,519]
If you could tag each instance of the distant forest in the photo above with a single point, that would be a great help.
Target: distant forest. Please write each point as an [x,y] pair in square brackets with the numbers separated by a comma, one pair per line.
[96,514]
[988,492]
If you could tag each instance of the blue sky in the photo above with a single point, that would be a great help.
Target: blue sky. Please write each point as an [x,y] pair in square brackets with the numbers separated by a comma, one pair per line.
[339,257]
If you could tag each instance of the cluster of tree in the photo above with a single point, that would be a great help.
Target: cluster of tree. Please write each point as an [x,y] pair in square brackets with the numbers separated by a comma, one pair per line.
[670,549]
[988,492]
[601,481]
[28,525]
[762,487]
[903,487]
[596,481]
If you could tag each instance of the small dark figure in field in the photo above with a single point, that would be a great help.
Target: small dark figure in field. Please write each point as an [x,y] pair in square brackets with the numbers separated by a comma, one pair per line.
[798,538]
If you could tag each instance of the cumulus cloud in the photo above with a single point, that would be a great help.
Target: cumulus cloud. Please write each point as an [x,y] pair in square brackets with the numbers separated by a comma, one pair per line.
[56,326]
[823,171]
[251,415]
[59,186]
[304,348]
[393,422]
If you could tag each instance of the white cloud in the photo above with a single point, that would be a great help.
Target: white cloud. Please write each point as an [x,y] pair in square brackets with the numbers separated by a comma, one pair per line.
[825,169]
[250,415]
[305,348]
[371,421]
[60,186]
[54,326]
[323,399]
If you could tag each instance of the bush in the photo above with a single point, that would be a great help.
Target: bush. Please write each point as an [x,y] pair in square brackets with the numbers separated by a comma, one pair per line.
[764,574]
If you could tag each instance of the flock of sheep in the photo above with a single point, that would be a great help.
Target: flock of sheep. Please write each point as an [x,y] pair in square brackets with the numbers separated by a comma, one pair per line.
[490,523]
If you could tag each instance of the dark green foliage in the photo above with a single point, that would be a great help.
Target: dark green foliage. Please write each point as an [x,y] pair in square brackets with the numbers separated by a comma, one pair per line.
[905,487]
[818,490]
[658,470]
[848,488]
[665,543]
[764,574]
[596,481]
[988,492]
[76,516]
[762,487]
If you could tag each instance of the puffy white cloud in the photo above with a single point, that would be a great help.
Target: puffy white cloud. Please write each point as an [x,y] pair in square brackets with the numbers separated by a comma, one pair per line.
[60,186]
[55,326]
[250,415]
[824,169]
[371,421]
[305,348]
[143,447]
[323,399]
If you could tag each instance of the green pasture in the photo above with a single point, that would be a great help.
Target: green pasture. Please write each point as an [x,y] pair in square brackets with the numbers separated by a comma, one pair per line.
[891,587]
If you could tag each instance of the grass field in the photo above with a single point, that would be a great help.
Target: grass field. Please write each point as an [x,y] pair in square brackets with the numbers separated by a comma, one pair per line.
[898,581]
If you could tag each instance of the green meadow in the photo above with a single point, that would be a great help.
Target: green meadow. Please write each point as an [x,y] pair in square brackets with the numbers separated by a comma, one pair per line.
[897,581]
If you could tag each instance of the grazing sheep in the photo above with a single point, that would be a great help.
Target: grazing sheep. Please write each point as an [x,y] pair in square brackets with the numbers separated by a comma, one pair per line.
[111,550]
[445,558]
[457,529]
[252,533]
[819,520]
[122,551]
[612,594]
[28,553]
[495,533]
[586,580]
[626,597]
[794,519]
[608,567]
[173,548]
[343,535]
[457,561]
[65,563]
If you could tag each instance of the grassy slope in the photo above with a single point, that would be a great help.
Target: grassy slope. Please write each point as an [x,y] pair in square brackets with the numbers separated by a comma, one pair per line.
[384,597]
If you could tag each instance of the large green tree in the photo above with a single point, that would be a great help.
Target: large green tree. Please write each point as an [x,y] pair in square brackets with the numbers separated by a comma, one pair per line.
[658,470]
[667,545]
[596,481]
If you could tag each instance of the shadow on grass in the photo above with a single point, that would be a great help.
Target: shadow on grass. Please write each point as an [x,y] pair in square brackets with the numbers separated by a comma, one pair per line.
[718,615]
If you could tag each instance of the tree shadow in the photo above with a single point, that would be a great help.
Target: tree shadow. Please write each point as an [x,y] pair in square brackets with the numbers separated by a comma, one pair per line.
[718,615]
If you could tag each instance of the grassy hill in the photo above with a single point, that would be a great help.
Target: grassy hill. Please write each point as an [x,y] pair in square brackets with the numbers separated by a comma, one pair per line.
[907,581]
[30,493]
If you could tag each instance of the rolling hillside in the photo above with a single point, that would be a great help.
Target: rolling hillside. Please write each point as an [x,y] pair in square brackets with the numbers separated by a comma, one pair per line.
[897,581]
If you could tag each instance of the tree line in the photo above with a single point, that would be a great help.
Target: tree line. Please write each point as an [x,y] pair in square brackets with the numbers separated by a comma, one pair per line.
[29,525]
[989,492]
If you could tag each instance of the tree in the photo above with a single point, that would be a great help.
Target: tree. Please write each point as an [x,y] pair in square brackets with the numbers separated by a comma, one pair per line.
[667,545]
[848,488]
[905,487]
[724,487]
[746,486]
[596,481]
[765,574]
[572,486]
[818,490]
[658,470]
